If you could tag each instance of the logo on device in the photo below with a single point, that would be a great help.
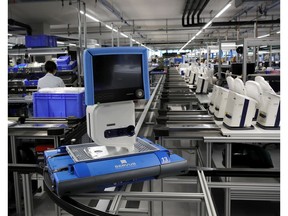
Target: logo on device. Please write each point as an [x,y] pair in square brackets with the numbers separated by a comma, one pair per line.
[125,164]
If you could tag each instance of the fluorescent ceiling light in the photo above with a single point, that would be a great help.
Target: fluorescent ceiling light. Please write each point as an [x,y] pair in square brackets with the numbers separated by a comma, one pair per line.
[263,46]
[209,23]
[262,36]
[223,10]
[60,42]
[93,18]
[124,35]
[137,42]
[89,16]
[133,40]
[10,44]
[278,32]
[109,27]
[71,44]
[97,44]
[9,34]
[198,33]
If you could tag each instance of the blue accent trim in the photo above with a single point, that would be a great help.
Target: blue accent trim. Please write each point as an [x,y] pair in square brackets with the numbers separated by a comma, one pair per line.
[244,113]
[202,86]
[256,114]
[88,68]
[277,122]
[88,77]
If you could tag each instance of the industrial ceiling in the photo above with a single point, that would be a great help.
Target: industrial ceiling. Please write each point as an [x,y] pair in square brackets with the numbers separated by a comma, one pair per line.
[159,24]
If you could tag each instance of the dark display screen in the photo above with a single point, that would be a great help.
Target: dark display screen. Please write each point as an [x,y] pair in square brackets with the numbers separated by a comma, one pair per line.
[117,77]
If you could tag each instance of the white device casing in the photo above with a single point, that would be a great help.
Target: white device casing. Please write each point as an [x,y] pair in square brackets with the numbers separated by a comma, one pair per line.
[268,112]
[220,102]
[230,82]
[236,113]
[213,99]
[202,85]
[105,116]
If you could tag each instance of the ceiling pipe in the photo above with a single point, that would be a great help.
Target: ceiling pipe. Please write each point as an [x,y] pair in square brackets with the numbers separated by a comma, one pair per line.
[237,23]
[191,8]
[201,10]
[196,10]
[185,11]
[13,22]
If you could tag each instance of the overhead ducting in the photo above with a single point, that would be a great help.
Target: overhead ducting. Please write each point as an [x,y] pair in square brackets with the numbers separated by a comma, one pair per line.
[197,7]
[193,7]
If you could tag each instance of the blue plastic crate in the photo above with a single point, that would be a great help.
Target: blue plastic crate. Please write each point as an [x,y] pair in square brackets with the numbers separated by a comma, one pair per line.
[40,41]
[52,41]
[63,60]
[30,82]
[70,66]
[59,105]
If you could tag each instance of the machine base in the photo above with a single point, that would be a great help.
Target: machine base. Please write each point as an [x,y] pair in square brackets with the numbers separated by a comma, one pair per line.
[268,127]
[238,128]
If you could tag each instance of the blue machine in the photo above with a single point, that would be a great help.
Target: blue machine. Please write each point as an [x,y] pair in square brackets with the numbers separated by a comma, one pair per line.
[116,157]
[70,177]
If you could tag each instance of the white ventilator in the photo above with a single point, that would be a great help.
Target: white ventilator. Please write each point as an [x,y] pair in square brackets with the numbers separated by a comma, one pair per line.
[269,109]
[211,107]
[220,103]
[230,82]
[104,118]
[241,108]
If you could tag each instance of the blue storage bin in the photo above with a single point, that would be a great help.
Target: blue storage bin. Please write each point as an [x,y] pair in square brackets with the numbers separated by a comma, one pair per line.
[59,105]
[70,66]
[63,60]
[30,82]
[52,41]
[40,41]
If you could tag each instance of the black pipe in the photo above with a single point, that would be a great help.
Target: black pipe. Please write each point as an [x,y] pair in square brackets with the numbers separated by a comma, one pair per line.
[185,11]
[259,22]
[239,23]
[200,11]
[16,23]
[196,10]
[191,8]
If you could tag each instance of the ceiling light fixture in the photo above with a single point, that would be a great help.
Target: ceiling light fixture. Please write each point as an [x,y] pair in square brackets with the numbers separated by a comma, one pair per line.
[208,24]
[262,36]
[223,10]
[124,35]
[89,16]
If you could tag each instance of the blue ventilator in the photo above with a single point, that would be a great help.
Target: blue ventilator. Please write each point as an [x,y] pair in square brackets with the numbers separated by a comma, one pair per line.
[114,77]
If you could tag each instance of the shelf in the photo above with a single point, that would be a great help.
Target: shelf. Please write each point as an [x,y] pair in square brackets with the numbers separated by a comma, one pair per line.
[38,51]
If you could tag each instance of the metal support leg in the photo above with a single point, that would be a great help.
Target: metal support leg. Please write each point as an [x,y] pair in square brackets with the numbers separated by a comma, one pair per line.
[15,176]
[57,210]
[56,141]
[27,194]
[228,179]
[199,204]
[208,154]
[209,157]
[162,190]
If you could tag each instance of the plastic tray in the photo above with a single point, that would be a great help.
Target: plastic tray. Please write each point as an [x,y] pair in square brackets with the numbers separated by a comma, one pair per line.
[63,60]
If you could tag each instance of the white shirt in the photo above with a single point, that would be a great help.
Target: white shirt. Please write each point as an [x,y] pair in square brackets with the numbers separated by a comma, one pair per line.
[50,81]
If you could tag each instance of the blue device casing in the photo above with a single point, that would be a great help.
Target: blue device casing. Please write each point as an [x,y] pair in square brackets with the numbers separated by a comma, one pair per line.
[69,177]
[88,68]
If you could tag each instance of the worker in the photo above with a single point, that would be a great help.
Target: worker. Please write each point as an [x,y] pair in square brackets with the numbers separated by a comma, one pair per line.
[50,80]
